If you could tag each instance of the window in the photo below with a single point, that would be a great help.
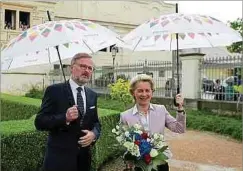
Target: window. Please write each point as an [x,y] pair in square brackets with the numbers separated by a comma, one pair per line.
[24,20]
[10,19]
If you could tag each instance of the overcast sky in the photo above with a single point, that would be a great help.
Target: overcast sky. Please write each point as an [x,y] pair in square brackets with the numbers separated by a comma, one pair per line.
[222,10]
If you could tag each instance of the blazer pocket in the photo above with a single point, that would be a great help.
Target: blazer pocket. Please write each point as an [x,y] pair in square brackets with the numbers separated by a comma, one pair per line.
[92,107]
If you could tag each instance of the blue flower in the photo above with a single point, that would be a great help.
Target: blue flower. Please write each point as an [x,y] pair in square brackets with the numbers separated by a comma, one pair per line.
[136,135]
[144,147]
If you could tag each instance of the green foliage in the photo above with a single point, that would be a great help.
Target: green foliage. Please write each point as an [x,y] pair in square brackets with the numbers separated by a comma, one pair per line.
[11,110]
[109,103]
[23,148]
[22,151]
[17,107]
[120,92]
[237,25]
[224,125]
[104,149]
[35,92]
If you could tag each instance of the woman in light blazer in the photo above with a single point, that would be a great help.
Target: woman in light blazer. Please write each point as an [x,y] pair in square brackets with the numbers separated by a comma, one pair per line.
[153,117]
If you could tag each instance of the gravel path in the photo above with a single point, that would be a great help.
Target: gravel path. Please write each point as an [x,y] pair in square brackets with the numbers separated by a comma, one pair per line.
[197,151]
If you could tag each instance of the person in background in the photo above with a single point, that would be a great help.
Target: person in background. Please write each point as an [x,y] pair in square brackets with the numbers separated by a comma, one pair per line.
[219,90]
[153,117]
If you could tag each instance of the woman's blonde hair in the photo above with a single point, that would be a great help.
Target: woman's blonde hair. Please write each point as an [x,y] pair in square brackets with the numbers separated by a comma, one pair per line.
[138,78]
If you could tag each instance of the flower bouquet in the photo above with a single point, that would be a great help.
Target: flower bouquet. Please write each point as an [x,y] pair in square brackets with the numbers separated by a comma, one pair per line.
[143,150]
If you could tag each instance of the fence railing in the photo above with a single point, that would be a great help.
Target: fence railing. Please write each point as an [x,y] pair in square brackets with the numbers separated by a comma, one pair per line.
[161,71]
[221,78]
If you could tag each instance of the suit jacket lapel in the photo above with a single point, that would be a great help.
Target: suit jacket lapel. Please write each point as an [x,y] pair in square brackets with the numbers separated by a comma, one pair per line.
[87,94]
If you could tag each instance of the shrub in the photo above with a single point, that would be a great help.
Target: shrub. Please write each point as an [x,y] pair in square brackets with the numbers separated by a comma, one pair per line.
[35,92]
[17,108]
[120,91]
[23,147]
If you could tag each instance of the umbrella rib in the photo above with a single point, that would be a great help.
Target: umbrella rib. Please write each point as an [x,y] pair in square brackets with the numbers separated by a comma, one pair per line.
[10,63]
[137,43]
[209,41]
[49,55]
[88,46]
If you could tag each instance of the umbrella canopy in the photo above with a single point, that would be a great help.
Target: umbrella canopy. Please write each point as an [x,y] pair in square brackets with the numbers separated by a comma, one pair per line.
[53,33]
[185,41]
[46,56]
[179,23]
[180,31]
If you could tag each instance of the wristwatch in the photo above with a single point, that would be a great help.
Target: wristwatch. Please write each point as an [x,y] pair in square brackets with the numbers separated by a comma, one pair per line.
[181,111]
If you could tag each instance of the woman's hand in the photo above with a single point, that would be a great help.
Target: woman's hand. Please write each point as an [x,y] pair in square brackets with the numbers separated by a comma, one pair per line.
[179,101]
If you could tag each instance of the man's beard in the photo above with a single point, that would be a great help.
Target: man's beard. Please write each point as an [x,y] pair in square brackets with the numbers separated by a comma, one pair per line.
[81,81]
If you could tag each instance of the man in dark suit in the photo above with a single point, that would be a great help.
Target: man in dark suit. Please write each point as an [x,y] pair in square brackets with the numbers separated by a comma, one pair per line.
[69,113]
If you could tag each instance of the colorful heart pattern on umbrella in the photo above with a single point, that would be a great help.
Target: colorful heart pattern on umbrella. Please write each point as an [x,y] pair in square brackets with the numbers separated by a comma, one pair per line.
[45,29]
[165,20]
[46,32]
[58,27]
[181,36]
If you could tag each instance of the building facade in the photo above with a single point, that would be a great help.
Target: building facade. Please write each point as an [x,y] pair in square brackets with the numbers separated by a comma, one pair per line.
[119,16]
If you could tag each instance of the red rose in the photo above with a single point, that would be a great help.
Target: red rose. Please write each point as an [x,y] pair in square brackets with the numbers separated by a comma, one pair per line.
[137,142]
[147,158]
[144,135]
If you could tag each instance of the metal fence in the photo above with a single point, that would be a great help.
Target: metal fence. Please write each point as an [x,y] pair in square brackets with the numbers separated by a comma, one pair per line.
[161,71]
[221,78]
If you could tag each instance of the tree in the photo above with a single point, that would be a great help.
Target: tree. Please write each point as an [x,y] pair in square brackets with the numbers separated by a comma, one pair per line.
[237,25]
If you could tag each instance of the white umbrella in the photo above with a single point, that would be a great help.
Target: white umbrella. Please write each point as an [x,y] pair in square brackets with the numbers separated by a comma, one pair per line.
[47,56]
[180,31]
[91,37]
[185,41]
[179,23]
[56,33]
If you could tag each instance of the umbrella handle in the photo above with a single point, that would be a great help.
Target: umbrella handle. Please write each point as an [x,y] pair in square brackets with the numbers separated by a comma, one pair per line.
[178,91]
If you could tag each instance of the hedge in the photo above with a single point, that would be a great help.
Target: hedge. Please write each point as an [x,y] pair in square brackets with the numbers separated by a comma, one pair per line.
[23,147]
[17,107]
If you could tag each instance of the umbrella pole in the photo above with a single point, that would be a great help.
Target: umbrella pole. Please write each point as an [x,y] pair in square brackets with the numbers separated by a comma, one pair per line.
[177,64]
[177,58]
[58,53]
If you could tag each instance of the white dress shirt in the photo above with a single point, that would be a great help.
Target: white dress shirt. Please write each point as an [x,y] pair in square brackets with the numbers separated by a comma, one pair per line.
[74,87]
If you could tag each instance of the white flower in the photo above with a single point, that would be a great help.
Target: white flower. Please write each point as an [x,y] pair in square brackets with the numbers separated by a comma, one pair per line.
[160,144]
[119,139]
[156,136]
[161,136]
[127,134]
[138,131]
[137,126]
[117,127]
[135,151]
[128,145]
[113,130]
[153,153]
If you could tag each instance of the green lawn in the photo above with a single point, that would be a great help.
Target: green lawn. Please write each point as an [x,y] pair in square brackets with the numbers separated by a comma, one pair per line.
[24,100]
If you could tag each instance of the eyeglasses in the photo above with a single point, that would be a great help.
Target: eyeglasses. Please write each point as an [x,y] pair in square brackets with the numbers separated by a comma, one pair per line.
[85,67]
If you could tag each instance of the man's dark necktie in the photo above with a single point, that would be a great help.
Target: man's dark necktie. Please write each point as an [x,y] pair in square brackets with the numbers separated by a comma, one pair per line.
[80,103]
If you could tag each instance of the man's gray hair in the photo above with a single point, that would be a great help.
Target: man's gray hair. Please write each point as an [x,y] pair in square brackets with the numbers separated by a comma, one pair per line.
[79,56]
